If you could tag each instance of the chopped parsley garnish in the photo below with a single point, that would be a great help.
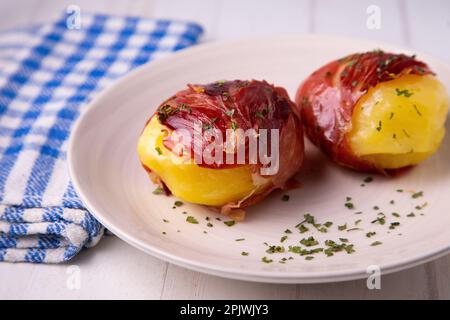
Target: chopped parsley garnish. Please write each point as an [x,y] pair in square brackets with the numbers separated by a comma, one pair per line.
[283,238]
[230,223]
[259,114]
[406,133]
[191,219]
[376,208]
[229,112]
[166,221]
[393,225]
[158,149]
[323,229]
[240,239]
[411,215]
[285,197]
[417,110]
[380,220]
[178,203]
[368,179]
[421,206]
[391,116]
[334,247]
[379,126]
[209,224]
[395,214]
[343,227]
[417,195]
[376,243]
[308,258]
[233,125]
[350,63]
[405,92]
[287,231]
[309,242]
[243,253]
[349,205]
[158,190]
[420,70]
[266,260]
[370,234]
[304,252]
[165,111]
[328,224]
[309,218]
[399,190]
[305,101]
[275,249]
[303,229]
[357,222]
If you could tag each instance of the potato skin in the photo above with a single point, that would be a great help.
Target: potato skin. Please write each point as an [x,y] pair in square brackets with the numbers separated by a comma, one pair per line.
[327,98]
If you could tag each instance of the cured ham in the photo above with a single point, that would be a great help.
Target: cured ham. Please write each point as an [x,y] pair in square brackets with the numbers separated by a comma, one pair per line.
[374,111]
[227,108]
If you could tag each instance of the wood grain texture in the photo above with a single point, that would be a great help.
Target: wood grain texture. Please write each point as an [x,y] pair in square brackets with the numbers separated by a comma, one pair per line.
[116,270]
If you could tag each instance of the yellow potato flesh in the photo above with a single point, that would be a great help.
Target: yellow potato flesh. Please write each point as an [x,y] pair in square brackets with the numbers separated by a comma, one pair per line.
[400,122]
[187,180]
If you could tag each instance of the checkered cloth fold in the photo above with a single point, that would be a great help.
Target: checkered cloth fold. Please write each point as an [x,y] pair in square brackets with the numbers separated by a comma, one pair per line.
[47,74]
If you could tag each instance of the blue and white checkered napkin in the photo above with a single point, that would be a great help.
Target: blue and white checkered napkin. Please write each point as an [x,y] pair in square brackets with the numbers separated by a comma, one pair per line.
[46,75]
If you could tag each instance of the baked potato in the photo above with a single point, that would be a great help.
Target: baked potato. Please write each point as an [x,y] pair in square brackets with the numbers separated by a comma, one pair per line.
[374,111]
[223,107]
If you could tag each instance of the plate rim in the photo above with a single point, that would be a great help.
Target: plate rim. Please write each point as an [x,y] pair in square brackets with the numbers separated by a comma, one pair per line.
[237,274]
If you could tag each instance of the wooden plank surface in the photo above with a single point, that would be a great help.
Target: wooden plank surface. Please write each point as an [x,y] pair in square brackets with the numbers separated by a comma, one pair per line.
[117,270]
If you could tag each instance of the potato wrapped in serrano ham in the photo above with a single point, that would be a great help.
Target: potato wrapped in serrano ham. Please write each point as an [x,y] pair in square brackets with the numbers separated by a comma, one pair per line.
[197,144]
[374,111]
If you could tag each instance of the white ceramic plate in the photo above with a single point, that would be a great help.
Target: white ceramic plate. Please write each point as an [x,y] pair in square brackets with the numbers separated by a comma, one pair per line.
[108,177]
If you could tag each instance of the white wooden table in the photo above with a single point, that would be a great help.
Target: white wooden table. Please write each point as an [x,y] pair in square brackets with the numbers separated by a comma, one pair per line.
[114,269]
